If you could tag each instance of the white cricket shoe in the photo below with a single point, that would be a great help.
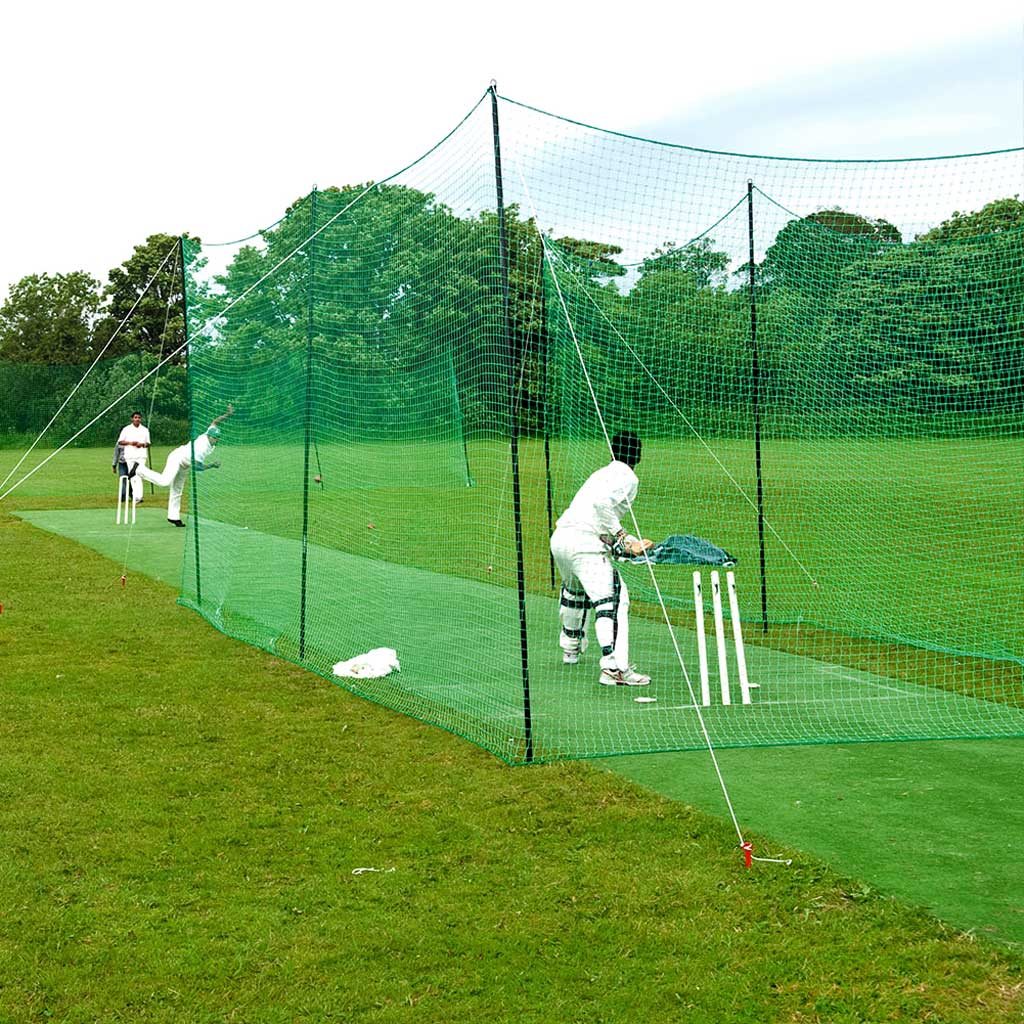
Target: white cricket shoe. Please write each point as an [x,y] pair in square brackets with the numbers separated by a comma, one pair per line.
[624,677]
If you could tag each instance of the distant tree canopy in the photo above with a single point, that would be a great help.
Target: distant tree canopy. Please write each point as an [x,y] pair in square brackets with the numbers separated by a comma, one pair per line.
[49,319]
[386,285]
[808,254]
[52,328]
[144,303]
[931,327]
[67,318]
[998,216]
[401,287]
[698,259]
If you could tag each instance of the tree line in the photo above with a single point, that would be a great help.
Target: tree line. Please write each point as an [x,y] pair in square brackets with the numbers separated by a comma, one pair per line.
[402,309]
[53,325]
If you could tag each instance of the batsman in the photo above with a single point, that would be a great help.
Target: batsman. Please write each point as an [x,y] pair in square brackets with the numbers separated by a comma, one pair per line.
[588,536]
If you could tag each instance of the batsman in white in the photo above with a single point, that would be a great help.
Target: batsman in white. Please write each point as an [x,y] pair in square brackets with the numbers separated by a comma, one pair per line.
[588,535]
[178,463]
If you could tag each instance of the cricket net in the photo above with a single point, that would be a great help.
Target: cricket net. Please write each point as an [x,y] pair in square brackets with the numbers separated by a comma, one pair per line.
[823,359]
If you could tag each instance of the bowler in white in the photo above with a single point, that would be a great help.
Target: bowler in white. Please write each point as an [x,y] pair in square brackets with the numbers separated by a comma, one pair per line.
[178,463]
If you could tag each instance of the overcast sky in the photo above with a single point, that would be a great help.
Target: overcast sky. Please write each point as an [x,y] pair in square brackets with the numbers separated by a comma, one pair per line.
[124,119]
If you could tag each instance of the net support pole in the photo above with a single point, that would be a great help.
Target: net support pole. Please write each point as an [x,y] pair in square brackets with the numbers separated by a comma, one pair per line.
[193,490]
[546,408]
[308,417]
[511,350]
[755,369]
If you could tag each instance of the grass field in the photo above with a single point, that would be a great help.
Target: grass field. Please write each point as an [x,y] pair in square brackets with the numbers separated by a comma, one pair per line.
[185,815]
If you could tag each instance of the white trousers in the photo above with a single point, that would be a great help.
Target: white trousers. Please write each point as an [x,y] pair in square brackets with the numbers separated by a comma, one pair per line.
[174,476]
[590,580]
[137,487]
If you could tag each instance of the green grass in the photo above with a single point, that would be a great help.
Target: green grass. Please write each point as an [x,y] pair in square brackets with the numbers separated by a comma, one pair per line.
[183,816]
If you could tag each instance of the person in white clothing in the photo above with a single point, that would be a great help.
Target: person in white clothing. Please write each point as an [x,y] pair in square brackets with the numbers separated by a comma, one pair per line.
[588,535]
[178,464]
[134,444]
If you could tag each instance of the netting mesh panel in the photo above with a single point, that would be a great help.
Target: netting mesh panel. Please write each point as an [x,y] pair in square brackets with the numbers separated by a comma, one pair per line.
[360,502]
[381,363]
[31,395]
[33,426]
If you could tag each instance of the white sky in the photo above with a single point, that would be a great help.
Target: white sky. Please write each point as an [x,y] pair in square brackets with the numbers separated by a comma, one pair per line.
[124,119]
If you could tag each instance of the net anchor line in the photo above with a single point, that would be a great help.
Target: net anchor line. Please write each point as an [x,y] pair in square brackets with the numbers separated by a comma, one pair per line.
[92,366]
[689,425]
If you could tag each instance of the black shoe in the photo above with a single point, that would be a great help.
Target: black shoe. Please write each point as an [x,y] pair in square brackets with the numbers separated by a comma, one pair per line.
[175,522]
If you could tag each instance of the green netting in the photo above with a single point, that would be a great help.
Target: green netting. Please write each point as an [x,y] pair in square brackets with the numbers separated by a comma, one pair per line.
[33,393]
[423,381]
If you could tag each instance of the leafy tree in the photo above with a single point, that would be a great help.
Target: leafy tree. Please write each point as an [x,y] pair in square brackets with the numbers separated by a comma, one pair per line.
[934,327]
[405,291]
[691,335]
[388,285]
[699,259]
[844,223]
[810,253]
[49,318]
[144,298]
[590,261]
[994,217]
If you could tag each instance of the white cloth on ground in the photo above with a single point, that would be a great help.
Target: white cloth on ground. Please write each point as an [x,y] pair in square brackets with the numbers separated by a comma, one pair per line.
[371,665]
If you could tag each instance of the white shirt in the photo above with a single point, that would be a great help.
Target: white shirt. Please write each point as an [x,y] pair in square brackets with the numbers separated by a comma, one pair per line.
[132,433]
[202,447]
[602,501]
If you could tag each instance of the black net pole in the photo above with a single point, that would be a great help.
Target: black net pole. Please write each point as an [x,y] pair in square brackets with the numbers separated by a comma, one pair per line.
[756,384]
[511,349]
[546,408]
[193,490]
[310,282]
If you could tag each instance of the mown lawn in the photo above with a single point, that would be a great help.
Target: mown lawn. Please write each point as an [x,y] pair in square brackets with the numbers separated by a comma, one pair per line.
[184,818]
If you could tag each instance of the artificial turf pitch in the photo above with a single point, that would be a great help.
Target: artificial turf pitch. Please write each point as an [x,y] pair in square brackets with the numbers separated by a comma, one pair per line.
[937,824]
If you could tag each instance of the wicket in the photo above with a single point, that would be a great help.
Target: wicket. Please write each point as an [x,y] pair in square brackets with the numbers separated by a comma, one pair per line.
[737,632]
[124,489]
